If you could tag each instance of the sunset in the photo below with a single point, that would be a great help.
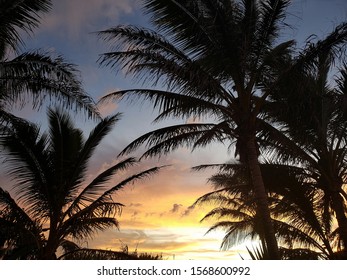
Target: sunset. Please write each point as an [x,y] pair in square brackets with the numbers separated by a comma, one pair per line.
[158,214]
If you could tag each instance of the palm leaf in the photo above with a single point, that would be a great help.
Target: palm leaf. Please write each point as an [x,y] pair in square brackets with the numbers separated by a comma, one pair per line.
[26,155]
[92,190]
[259,252]
[38,74]
[17,16]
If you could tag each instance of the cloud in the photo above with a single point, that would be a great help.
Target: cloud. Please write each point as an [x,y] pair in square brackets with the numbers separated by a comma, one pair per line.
[73,17]
[135,213]
[149,240]
[107,109]
[192,120]
[150,214]
[188,210]
[178,243]
[135,205]
[175,208]
[137,223]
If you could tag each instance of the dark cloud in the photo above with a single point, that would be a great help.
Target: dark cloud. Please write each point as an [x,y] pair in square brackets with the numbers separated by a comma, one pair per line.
[188,210]
[135,213]
[176,207]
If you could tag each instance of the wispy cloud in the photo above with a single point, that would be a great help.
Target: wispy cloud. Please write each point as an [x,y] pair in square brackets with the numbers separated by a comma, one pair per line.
[176,207]
[107,109]
[73,17]
[188,210]
[178,243]
[135,213]
[135,205]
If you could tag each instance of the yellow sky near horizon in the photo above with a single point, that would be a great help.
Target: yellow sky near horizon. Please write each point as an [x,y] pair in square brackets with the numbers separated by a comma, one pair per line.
[158,217]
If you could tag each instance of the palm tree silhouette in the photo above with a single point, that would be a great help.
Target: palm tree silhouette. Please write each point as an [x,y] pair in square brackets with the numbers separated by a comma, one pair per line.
[35,74]
[218,62]
[295,210]
[312,115]
[54,204]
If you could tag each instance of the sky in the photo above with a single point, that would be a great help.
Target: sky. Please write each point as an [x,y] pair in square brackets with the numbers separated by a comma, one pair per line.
[157,216]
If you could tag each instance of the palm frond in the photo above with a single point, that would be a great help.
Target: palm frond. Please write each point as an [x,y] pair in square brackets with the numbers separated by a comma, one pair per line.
[68,246]
[17,16]
[131,179]
[87,226]
[172,104]
[77,152]
[332,44]
[20,234]
[189,23]
[37,74]
[272,15]
[13,213]
[26,155]
[166,139]
[103,205]
[301,254]
[92,190]
[258,252]
[65,144]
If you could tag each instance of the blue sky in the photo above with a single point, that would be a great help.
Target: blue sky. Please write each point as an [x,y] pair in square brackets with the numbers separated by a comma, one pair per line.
[154,219]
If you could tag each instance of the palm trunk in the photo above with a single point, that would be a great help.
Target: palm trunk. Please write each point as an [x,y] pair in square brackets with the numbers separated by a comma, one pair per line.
[338,207]
[261,199]
[50,249]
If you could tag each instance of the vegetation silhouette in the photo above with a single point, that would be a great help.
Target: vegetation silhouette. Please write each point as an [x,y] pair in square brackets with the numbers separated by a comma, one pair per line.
[219,60]
[309,136]
[295,210]
[223,65]
[311,114]
[34,74]
[222,60]
[98,254]
[54,205]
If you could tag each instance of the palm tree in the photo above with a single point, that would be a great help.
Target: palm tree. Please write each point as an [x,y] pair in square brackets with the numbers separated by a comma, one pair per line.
[312,115]
[218,61]
[53,204]
[295,210]
[35,74]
